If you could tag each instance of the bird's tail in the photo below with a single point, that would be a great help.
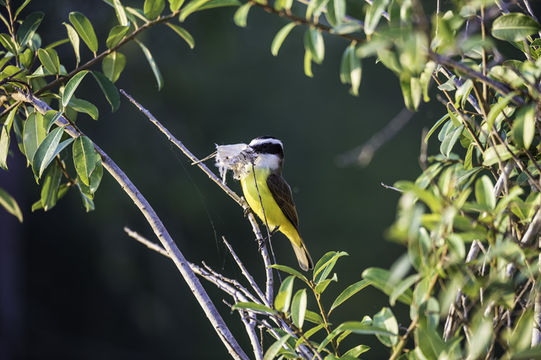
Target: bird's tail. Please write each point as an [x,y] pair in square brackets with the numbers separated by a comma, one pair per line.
[303,256]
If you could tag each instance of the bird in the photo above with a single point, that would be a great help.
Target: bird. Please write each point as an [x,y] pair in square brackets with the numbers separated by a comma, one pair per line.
[271,200]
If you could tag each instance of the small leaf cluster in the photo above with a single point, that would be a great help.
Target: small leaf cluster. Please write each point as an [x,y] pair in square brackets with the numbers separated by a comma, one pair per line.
[313,328]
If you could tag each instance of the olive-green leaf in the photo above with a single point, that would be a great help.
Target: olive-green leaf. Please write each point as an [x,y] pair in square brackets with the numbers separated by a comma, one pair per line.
[47,150]
[113,65]
[153,8]
[115,35]
[29,27]
[84,28]
[49,60]
[523,130]
[11,206]
[35,130]
[50,187]
[71,86]
[84,106]
[349,292]
[275,348]
[109,90]
[85,158]
[5,137]
[183,33]
[241,15]
[283,298]
[298,308]
[120,13]
[74,40]
[251,306]
[280,37]
[514,27]
[313,42]
[152,63]
[174,5]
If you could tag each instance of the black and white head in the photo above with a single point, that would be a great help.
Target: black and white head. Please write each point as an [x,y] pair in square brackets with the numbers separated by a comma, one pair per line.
[269,150]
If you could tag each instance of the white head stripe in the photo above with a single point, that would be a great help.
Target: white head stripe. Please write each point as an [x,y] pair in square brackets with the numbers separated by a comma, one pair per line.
[256,142]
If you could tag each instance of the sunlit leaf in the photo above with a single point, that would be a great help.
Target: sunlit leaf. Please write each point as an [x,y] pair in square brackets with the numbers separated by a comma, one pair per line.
[84,28]
[50,187]
[5,137]
[514,27]
[183,33]
[71,86]
[120,13]
[47,150]
[298,308]
[109,90]
[251,306]
[241,15]
[29,27]
[349,292]
[153,8]
[74,40]
[116,34]
[283,298]
[152,63]
[85,158]
[313,42]
[35,130]
[113,65]
[84,106]
[11,206]
[273,350]
[280,37]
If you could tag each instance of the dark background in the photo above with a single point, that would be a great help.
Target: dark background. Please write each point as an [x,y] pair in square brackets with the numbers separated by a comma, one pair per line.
[73,285]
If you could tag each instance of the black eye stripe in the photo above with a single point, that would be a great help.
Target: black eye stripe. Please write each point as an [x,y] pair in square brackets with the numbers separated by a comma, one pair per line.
[269,148]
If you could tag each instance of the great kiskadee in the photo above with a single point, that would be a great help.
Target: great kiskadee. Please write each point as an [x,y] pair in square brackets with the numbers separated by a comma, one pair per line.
[278,210]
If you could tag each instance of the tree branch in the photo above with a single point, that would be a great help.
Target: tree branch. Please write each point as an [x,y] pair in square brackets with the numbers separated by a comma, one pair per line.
[159,229]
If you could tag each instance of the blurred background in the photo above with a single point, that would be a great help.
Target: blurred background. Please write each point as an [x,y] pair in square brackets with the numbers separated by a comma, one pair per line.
[74,285]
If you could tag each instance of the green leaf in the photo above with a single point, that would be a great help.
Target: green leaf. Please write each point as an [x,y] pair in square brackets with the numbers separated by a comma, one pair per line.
[280,37]
[153,8]
[308,63]
[497,108]
[283,298]
[322,285]
[291,271]
[313,317]
[113,65]
[325,265]
[193,6]
[20,8]
[339,7]
[8,43]
[283,4]
[255,307]
[116,34]
[50,187]
[385,319]
[74,40]
[120,13]
[47,150]
[84,28]
[349,292]
[174,5]
[450,140]
[95,177]
[35,130]
[373,15]
[183,33]
[498,152]
[275,348]
[309,333]
[401,287]
[523,130]
[85,158]
[356,351]
[28,27]
[84,106]
[379,278]
[514,27]
[87,198]
[152,63]
[11,206]
[71,86]
[350,69]
[313,42]
[49,60]
[5,137]
[213,4]
[109,90]
[241,15]
[298,308]
[364,328]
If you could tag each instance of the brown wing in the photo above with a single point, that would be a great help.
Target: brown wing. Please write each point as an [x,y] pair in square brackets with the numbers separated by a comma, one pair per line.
[281,192]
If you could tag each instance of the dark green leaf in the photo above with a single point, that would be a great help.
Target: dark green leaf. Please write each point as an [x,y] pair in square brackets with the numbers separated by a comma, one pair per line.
[251,306]
[87,198]
[241,15]
[11,206]
[50,187]
[109,90]
[71,86]
[280,37]
[349,292]
[84,28]
[113,65]
[84,106]
[283,298]
[116,34]
[74,40]
[153,8]
[183,33]
[514,27]
[298,308]
[29,27]
[152,63]
[85,158]
[95,177]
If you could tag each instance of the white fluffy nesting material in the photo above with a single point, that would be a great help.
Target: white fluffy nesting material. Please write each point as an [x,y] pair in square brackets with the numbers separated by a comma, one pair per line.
[235,157]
